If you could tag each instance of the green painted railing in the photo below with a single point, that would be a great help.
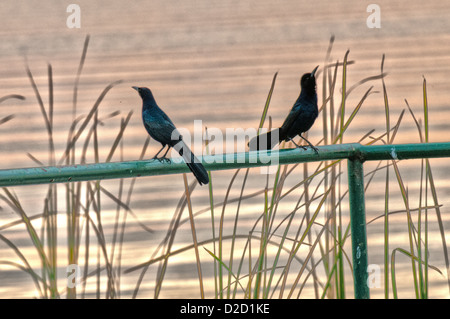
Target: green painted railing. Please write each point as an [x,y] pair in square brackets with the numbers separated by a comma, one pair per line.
[356,154]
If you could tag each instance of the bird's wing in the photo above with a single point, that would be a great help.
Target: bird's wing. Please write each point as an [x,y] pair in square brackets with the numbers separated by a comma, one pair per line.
[159,126]
[293,115]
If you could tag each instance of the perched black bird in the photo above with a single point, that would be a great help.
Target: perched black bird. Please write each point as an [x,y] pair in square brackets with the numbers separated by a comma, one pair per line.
[299,120]
[162,129]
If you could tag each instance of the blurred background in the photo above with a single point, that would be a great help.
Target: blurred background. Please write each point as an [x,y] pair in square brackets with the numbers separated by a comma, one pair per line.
[212,61]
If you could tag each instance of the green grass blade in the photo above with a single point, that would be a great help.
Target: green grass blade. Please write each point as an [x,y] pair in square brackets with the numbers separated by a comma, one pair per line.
[269,97]
[194,237]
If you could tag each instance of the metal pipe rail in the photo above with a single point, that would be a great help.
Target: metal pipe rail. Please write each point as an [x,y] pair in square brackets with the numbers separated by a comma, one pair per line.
[355,153]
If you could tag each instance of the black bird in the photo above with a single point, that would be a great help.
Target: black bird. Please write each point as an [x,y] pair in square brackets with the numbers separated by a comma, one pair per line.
[162,129]
[299,120]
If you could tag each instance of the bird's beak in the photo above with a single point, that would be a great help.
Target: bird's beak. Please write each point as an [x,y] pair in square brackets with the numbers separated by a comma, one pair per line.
[136,88]
[314,71]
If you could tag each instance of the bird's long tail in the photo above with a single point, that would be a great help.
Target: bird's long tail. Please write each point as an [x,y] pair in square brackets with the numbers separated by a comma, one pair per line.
[192,162]
[265,141]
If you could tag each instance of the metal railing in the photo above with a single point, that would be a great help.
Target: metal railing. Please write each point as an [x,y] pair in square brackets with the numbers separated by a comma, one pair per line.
[355,154]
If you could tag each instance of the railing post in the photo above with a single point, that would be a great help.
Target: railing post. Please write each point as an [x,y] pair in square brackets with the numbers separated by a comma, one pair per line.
[358,227]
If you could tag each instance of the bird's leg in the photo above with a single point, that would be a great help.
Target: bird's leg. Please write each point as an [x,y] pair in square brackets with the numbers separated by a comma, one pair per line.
[156,156]
[312,146]
[299,146]
[163,158]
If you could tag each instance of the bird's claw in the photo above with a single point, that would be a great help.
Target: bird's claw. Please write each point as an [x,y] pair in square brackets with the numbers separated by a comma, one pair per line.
[312,147]
[162,159]
[306,148]
[315,150]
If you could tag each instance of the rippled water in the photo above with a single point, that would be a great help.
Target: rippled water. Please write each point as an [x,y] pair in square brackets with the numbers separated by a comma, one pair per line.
[214,61]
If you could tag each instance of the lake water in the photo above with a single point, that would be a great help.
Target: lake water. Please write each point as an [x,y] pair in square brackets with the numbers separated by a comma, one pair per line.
[214,61]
